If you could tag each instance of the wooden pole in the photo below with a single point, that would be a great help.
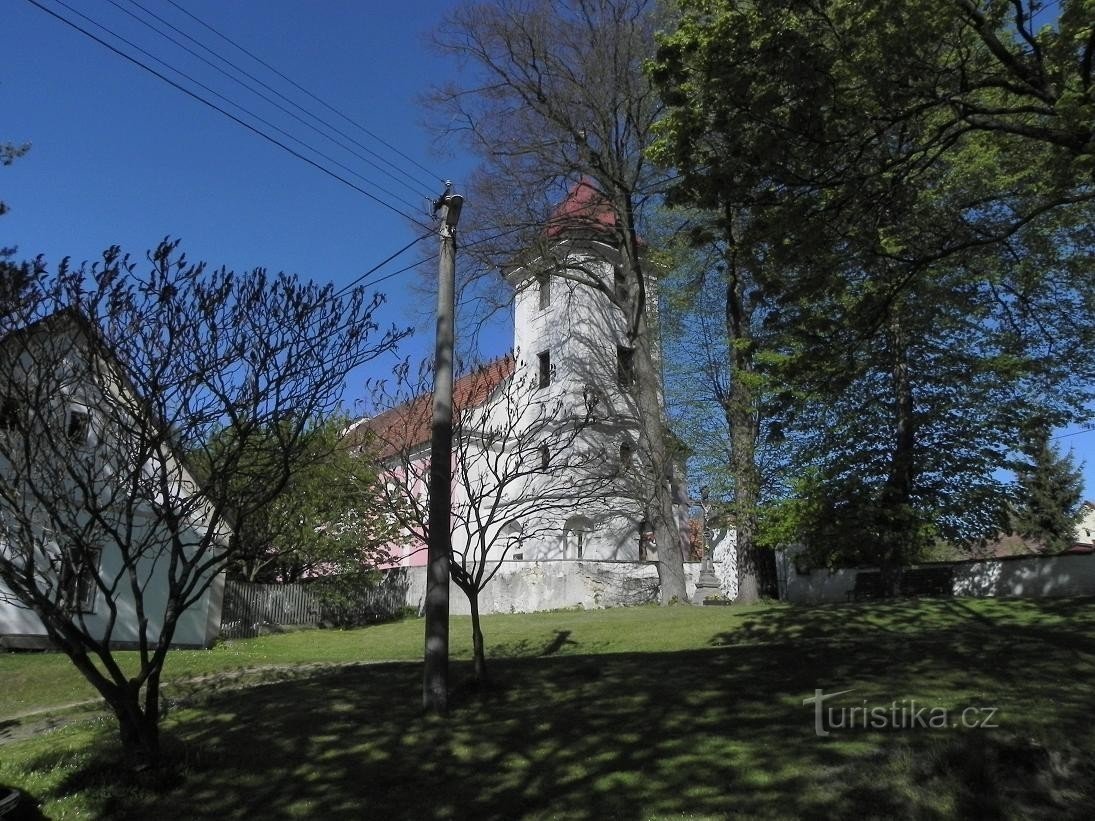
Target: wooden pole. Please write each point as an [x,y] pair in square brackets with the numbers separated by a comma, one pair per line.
[435,677]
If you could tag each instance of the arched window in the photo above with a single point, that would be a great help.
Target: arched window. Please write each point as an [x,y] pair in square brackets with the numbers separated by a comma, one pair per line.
[647,547]
[512,540]
[627,452]
[576,534]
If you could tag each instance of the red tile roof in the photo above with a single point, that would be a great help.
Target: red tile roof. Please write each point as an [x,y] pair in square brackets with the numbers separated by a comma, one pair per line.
[407,426]
[585,209]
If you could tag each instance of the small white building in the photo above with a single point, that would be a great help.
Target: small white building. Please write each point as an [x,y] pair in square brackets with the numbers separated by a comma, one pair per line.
[71,433]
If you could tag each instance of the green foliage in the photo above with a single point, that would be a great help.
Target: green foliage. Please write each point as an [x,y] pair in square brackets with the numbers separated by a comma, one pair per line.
[899,179]
[1049,495]
[329,518]
[847,522]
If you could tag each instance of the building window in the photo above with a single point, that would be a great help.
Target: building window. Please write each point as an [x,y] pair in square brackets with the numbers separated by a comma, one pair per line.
[511,533]
[620,284]
[545,457]
[626,453]
[625,366]
[544,359]
[543,282]
[77,426]
[647,548]
[79,569]
[576,533]
[9,414]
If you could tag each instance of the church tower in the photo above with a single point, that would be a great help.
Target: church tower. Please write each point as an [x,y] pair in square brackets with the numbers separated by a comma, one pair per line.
[571,346]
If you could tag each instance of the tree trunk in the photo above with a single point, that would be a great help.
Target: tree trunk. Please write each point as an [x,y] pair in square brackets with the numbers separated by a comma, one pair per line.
[653,435]
[743,418]
[479,656]
[653,423]
[897,492]
[138,730]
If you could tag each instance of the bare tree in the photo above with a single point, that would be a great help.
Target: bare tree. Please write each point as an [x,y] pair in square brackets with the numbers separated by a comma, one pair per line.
[523,459]
[112,374]
[552,93]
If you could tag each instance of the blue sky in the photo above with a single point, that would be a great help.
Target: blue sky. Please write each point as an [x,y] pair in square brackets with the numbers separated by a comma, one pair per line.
[120,157]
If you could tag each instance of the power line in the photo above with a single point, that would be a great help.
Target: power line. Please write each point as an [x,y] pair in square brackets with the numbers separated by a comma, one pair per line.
[231,102]
[217,108]
[434,177]
[1074,433]
[274,91]
[381,264]
[402,270]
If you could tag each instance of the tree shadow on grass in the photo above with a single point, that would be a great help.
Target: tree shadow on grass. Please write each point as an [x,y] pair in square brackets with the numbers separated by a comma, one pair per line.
[706,733]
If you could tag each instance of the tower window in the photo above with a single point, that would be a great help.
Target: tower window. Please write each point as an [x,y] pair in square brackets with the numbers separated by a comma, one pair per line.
[626,452]
[620,284]
[543,282]
[544,359]
[9,413]
[77,427]
[625,366]
[545,457]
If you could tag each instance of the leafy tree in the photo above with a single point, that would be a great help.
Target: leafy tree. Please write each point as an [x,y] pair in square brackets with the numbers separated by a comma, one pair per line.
[157,358]
[551,93]
[1050,492]
[904,247]
[720,393]
[329,520]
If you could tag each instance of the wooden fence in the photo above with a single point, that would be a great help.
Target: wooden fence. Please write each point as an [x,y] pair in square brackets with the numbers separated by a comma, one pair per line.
[251,609]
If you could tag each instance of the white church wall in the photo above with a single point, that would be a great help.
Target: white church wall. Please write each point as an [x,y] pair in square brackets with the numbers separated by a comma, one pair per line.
[537,586]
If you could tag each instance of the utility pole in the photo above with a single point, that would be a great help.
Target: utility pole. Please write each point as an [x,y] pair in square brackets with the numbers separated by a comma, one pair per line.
[435,676]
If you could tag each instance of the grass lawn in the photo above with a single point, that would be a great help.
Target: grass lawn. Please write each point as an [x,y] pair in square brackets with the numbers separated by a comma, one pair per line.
[631,713]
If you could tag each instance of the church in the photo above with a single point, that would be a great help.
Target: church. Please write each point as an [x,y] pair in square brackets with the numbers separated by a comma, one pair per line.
[549,493]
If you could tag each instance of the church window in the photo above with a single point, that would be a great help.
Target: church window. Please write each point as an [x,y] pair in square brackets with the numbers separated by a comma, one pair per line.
[625,366]
[545,457]
[9,414]
[576,536]
[620,283]
[511,533]
[544,377]
[626,453]
[78,570]
[543,282]
[78,425]
[646,541]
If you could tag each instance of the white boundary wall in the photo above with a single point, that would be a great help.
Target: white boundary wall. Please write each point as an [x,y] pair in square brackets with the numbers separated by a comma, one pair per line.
[1031,576]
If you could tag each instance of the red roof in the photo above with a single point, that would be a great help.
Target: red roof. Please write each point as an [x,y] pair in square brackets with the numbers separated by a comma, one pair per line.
[585,209]
[409,425]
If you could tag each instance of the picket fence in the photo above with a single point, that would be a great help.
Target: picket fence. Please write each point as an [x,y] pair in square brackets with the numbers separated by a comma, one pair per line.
[252,609]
